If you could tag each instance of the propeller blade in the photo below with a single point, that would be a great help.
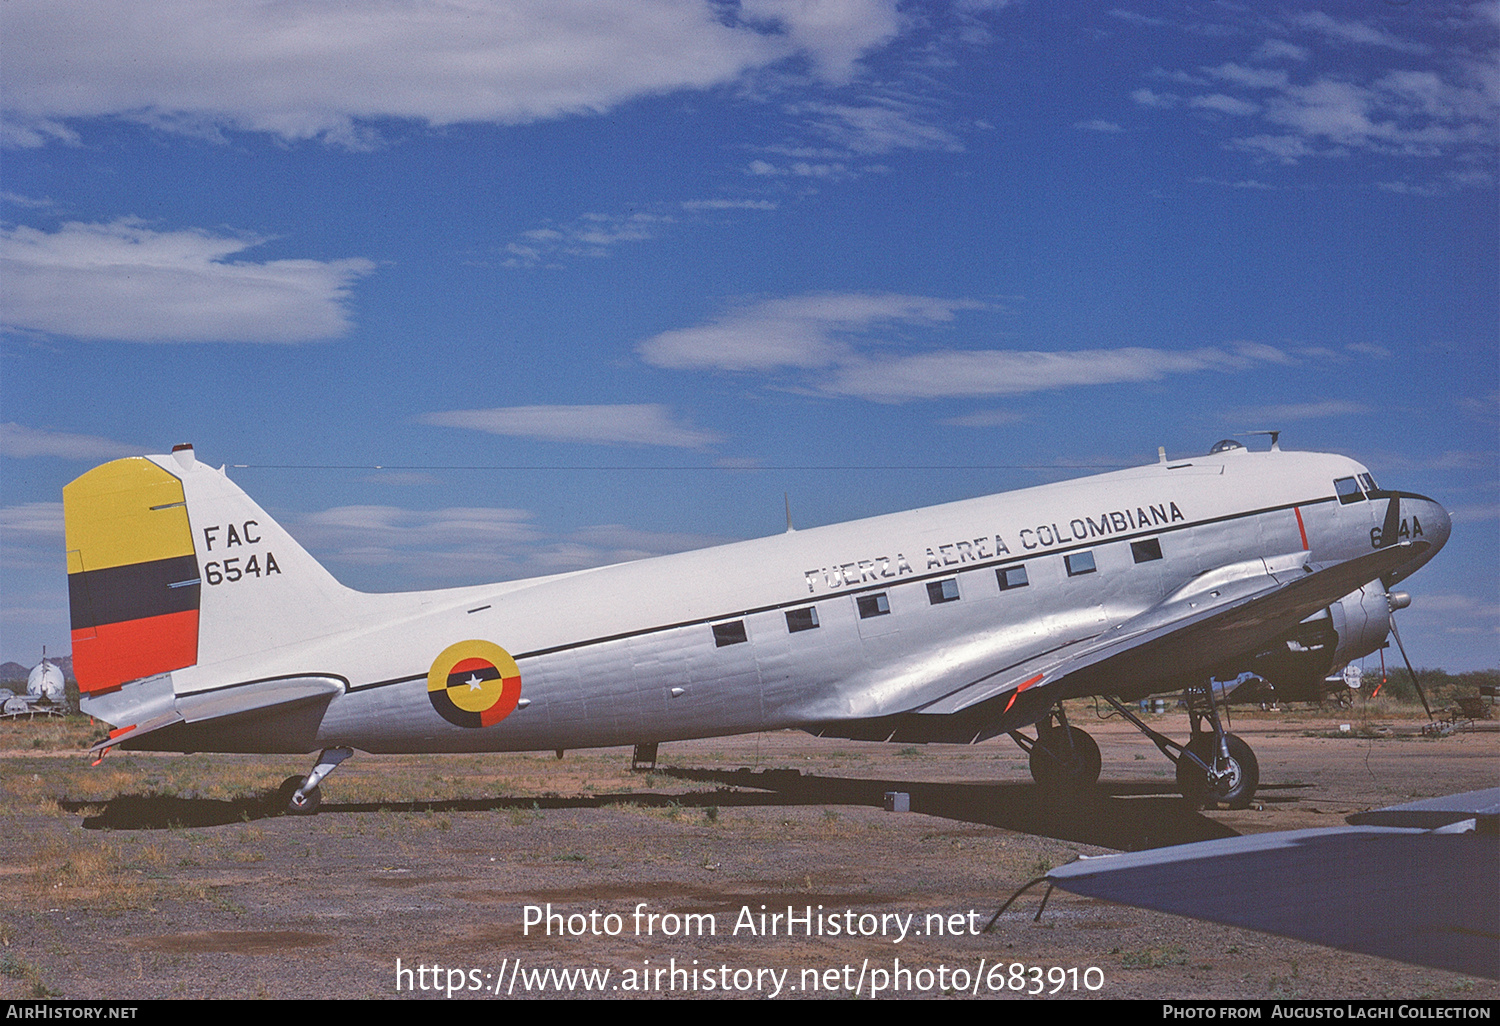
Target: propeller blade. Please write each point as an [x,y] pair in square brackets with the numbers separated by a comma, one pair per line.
[1392,525]
[1389,534]
[1415,683]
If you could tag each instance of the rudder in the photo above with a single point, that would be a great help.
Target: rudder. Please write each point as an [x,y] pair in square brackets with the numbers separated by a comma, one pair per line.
[133,583]
[171,565]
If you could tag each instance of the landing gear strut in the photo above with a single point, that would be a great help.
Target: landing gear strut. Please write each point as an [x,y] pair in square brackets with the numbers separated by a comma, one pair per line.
[301,797]
[1214,766]
[1062,756]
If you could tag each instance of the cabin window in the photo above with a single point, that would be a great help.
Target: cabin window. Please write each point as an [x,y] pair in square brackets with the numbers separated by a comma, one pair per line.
[801,619]
[873,605]
[939,592]
[1348,490]
[1146,551]
[1011,577]
[731,633]
[1079,563]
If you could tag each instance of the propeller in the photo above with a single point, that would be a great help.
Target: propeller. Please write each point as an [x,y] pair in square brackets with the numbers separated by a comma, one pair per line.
[1390,535]
[1415,682]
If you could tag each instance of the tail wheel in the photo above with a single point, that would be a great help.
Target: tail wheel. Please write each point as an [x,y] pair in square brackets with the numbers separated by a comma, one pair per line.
[1060,760]
[1236,781]
[288,801]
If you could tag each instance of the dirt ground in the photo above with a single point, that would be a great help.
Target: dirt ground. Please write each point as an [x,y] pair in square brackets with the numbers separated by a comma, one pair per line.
[160,876]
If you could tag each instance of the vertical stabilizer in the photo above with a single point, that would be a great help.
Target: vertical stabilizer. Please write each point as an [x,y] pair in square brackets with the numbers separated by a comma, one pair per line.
[171,565]
[133,582]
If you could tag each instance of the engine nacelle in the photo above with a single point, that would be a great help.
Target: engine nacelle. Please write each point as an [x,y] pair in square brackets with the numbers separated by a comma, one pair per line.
[1350,629]
[1363,621]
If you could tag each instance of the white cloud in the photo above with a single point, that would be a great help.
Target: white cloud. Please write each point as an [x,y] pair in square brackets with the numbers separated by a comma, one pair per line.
[834,34]
[849,341]
[729,204]
[31,539]
[1355,32]
[1446,106]
[640,424]
[802,331]
[592,235]
[1243,183]
[1303,411]
[802,169]
[362,528]
[35,521]
[1098,125]
[1250,78]
[879,126]
[20,442]
[1150,98]
[415,548]
[1280,49]
[1011,372]
[126,282]
[16,199]
[1224,104]
[304,68]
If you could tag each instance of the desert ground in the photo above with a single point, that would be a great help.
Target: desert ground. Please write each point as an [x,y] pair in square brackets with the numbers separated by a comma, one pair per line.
[164,876]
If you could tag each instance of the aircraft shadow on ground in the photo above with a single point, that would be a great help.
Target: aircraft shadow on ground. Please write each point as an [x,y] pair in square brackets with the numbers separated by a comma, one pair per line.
[1126,816]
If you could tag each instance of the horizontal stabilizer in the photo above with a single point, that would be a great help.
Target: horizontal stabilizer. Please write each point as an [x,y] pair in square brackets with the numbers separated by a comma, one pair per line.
[130,733]
[261,694]
[264,696]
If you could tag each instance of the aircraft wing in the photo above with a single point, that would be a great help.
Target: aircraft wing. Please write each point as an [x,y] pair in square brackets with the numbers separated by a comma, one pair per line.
[1424,896]
[1220,616]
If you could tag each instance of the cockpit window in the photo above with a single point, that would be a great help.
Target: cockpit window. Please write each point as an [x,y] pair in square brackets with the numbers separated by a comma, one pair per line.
[1348,490]
[1369,485]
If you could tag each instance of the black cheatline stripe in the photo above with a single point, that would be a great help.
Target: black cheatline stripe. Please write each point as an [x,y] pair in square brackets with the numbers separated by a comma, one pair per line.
[133,592]
[810,600]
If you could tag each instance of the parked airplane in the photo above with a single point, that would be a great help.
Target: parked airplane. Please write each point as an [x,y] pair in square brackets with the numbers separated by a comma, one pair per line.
[199,624]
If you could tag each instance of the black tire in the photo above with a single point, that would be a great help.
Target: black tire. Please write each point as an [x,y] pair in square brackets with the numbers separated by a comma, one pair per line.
[288,803]
[1234,790]
[1061,761]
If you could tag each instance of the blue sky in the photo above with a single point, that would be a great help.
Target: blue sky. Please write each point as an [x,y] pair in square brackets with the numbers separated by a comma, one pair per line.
[639,268]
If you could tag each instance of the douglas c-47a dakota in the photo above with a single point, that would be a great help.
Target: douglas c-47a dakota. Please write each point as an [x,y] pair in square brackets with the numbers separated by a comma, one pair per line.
[200,625]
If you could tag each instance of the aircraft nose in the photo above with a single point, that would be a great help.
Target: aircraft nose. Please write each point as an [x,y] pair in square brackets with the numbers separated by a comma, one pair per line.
[1436,523]
[1416,517]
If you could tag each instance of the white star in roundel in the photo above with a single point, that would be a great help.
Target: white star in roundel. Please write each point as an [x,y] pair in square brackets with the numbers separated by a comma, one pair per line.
[475,684]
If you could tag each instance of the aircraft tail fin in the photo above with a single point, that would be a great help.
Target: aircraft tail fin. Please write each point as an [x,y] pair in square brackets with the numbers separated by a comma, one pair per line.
[171,565]
[133,589]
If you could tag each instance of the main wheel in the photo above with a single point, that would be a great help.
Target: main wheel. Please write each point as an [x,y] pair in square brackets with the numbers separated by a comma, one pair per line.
[1234,787]
[289,802]
[1061,760]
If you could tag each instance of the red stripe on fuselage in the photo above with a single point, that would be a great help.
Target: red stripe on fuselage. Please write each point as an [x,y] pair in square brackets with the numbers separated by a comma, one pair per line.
[110,654]
[1300,528]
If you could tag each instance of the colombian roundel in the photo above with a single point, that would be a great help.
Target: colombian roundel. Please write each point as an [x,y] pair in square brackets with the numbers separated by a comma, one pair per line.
[474,684]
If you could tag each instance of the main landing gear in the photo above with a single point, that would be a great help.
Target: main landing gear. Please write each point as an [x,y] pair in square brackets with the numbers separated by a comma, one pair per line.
[1213,767]
[300,796]
[1062,757]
